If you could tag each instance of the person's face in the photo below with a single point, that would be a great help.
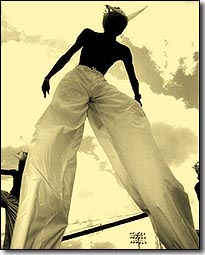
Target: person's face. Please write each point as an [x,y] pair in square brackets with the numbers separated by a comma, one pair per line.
[114,24]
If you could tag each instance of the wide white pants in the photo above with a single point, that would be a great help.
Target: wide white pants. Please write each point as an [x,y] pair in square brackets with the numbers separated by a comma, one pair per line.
[123,130]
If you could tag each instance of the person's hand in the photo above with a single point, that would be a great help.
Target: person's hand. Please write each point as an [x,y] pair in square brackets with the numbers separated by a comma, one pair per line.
[45,87]
[139,102]
[138,98]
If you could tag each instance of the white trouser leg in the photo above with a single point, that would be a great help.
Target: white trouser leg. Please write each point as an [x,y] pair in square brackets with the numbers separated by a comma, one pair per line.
[50,170]
[123,130]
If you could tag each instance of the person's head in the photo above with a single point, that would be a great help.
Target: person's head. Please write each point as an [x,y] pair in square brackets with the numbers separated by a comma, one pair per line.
[114,20]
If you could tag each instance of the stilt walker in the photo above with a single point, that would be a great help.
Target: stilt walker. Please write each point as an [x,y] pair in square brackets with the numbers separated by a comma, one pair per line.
[123,131]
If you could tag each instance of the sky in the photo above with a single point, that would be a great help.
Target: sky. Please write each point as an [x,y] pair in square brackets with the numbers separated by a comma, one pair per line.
[164,41]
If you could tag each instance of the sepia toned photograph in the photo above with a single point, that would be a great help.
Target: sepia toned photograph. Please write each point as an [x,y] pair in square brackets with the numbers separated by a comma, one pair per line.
[100,125]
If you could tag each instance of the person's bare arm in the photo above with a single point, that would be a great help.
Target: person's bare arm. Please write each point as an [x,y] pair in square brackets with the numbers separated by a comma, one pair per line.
[127,60]
[8,172]
[63,60]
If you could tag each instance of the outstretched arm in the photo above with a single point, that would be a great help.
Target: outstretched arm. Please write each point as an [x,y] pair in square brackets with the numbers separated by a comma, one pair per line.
[8,172]
[127,60]
[63,60]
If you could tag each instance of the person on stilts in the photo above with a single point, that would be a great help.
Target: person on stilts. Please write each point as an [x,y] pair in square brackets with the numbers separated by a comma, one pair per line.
[122,130]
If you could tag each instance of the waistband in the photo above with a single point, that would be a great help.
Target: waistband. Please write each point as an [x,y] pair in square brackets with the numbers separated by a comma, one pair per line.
[92,69]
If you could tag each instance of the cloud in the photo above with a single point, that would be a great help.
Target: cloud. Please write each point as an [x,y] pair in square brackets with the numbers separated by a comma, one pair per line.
[184,82]
[88,146]
[146,69]
[185,86]
[106,167]
[11,33]
[72,244]
[8,31]
[175,143]
[8,159]
[102,245]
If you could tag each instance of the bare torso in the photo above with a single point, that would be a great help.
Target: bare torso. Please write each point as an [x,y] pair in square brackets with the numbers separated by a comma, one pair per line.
[101,51]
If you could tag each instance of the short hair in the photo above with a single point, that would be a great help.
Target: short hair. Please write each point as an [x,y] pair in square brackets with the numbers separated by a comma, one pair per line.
[114,22]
